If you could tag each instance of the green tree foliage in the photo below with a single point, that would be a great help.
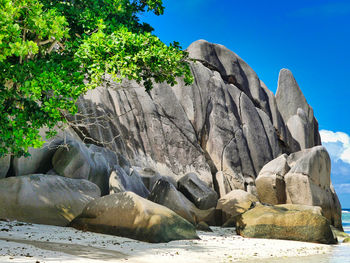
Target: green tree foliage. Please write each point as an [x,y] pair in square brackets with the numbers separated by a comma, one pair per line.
[52,51]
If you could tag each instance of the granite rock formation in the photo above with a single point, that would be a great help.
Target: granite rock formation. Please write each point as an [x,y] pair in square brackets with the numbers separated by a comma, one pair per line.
[227,130]
[227,122]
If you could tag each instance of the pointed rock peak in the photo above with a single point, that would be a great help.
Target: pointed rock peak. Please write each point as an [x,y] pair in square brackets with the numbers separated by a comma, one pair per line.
[289,96]
[214,56]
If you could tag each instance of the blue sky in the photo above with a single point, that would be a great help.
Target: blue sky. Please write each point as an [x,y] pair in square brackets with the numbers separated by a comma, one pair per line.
[309,37]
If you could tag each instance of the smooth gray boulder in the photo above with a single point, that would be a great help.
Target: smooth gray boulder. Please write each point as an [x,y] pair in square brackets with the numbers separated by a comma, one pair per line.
[149,177]
[39,160]
[5,163]
[79,161]
[308,182]
[120,181]
[197,191]
[165,193]
[270,183]
[44,199]
[73,161]
[129,215]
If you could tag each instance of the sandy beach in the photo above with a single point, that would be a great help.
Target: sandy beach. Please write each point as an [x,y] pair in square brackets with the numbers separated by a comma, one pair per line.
[23,242]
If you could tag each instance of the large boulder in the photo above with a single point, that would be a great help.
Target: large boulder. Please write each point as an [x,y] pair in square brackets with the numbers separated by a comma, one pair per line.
[120,181]
[197,191]
[44,199]
[5,163]
[232,69]
[129,215]
[296,113]
[149,176]
[79,161]
[308,182]
[270,183]
[235,203]
[39,160]
[165,193]
[282,223]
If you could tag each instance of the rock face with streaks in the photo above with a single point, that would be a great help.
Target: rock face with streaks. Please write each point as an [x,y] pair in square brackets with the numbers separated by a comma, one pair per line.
[296,113]
[227,121]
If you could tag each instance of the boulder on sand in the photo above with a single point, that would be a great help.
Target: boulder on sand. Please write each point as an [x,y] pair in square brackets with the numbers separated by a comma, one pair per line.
[270,183]
[44,199]
[281,223]
[234,203]
[197,191]
[78,161]
[129,215]
[122,180]
[308,182]
[165,193]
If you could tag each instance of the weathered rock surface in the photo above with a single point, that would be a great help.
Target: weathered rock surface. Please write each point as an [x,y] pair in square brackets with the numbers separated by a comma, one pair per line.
[79,161]
[5,162]
[165,193]
[227,127]
[270,183]
[129,215]
[234,203]
[44,199]
[317,210]
[341,235]
[120,181]
[308,182]
[281,223]
[150,177]
[39,160]
[296,113]
[226,121]
[197,192]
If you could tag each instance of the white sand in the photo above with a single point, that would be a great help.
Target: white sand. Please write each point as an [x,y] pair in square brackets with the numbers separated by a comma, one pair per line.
[21,242]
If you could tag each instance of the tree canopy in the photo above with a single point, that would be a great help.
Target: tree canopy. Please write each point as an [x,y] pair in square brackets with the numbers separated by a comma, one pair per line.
[53,51]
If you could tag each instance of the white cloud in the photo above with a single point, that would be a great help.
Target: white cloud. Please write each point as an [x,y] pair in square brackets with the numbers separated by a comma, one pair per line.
[338,145]
[329,136]
[345,156]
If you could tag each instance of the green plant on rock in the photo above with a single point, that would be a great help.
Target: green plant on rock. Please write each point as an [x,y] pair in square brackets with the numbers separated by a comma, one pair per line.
[51,52]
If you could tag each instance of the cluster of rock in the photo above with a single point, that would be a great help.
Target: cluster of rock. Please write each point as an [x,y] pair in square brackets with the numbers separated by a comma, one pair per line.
[154,166]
